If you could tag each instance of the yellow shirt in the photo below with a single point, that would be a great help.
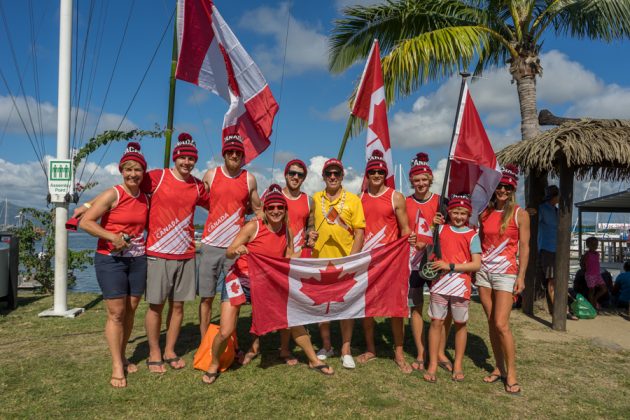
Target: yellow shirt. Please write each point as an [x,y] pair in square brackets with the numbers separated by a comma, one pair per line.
[334,239]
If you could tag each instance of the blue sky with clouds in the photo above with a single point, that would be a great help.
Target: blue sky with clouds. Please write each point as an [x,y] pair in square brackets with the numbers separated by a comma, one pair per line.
[581,78]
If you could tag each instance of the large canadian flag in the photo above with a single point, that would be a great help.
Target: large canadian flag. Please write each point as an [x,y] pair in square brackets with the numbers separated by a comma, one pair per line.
[299,291]
[474,168]
[370,106]
[211,57]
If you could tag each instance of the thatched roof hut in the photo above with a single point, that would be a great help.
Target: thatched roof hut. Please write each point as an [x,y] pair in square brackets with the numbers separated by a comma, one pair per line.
[597,149]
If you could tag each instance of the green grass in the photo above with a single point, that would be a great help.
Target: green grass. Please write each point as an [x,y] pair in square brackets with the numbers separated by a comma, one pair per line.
[60,368]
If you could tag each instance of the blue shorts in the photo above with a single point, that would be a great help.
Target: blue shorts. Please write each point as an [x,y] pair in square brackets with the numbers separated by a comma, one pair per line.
[120,276]
[246,292]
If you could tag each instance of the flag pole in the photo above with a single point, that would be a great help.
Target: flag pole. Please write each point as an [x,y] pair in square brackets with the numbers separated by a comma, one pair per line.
[342,148]
[171,99]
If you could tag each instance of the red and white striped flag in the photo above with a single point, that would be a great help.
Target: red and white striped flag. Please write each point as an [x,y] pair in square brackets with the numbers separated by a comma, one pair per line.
[299,291]
[370,106]
[211,57]
[474,168]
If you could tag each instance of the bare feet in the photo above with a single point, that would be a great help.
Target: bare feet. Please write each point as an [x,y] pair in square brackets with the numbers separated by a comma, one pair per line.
[418,364]
[430,377]
[118,382]
[458,376]
[366,357]
[403,366]
[174,361]
[246,358]
[130,367]
[495,376]
[289,358]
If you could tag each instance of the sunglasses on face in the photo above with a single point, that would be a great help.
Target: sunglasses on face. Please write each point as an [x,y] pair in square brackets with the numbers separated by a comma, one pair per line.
[233,152]
[300,175]
[505,187]
[332,173]
[276,207]
[376,172]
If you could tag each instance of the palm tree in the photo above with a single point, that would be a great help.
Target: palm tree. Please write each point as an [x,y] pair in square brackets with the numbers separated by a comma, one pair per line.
[427,40]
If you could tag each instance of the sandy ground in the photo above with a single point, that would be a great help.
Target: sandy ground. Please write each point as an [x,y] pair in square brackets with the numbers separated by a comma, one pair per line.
[611,329]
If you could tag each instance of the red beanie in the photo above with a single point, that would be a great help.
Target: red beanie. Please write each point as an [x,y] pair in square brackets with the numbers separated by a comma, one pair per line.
[376,161]
[460,200]
[295,162]
[185,147]
[420,165]
[132,152]
[509,175]
[274,195]
[232,142]
[332,162]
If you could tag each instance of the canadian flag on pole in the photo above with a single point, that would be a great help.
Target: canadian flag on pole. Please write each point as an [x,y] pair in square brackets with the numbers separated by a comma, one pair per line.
[370,106]
[423,234]
[474,169]
[299,291]
[211,57]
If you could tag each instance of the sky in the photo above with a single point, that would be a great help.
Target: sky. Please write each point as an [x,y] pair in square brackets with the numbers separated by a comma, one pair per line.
[581,78]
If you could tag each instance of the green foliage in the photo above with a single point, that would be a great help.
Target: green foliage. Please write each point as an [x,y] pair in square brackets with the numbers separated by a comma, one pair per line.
[37,264]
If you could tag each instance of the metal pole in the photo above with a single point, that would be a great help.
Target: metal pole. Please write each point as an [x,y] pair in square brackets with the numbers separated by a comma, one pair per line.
[171,100]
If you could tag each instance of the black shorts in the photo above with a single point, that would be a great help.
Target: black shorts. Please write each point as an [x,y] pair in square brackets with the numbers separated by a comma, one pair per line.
[121,276]
[547,264]
[416,289]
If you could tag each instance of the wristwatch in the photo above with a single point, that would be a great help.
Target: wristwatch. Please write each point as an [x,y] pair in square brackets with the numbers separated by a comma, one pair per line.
[452,267]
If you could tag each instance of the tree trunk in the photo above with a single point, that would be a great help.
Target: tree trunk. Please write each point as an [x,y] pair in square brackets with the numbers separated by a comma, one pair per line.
[535,183]
[561,271]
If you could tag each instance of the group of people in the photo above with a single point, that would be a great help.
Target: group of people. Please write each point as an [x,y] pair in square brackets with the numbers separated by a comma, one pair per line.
[288,223]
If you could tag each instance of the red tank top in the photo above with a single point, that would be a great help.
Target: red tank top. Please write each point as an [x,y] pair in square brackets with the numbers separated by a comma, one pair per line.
[265,242]
[381,225]
[171,229]
[299,211]
[455,248]
[427,209]
[130,217]
[229,198]
[499,250]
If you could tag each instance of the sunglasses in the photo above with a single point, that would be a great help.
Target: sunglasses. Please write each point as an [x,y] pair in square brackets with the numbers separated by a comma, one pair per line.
[233,152]
[376,172]
[300,175]
[277,207]
[505,187]
[332,173]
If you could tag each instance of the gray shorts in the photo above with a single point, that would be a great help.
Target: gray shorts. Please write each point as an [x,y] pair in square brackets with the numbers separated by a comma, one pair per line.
[170,279]
[212,262]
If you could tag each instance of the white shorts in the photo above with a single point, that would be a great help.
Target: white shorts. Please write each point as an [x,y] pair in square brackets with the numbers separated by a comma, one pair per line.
[439,306]
[495,281]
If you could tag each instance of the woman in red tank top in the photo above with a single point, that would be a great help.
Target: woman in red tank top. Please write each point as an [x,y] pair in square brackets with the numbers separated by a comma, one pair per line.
[270,237]
[505,252]
[120,262]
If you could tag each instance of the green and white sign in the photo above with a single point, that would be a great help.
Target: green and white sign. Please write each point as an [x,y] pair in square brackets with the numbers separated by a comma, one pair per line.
[60,180]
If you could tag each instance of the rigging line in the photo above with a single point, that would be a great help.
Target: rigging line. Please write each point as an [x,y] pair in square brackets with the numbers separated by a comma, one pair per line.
[82,68]
[17,68]
[284,60]
[6,124]
[75,60]
[39,158]
[122,120]
[97,48]
[36,74]
[111,78]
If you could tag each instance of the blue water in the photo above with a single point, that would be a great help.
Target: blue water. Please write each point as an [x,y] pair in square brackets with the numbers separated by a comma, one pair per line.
[86,280]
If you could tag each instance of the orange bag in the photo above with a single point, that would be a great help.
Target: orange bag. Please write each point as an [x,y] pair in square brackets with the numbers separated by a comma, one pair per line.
[203,356]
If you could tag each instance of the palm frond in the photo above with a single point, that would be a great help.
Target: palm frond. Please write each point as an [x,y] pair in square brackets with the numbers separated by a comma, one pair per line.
[594,19]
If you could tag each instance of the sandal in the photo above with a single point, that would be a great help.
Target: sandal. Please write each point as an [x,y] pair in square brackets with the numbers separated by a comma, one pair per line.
[417,365]
[508,388]
[114,378]
[155,363]
[447,366]
[290,360]
[320,369]
[174,360]
[211,376]
[458,376]
[366,357]
[493,377]
[430,378]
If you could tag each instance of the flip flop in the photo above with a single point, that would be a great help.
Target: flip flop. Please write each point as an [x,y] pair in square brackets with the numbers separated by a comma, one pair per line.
[366,357]
[447,366]
[211,375]
[320,369]
[155,363]
[456,378]
[173,360]
[419,363]
[508,387]
[492,378]
[430,378]
[289,358]
[114,378]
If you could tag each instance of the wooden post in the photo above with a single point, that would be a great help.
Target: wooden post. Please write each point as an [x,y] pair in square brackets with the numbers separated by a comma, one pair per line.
[559,322]
[535,184]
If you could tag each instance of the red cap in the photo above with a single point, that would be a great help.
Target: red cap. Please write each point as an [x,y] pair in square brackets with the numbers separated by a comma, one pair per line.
[132,152]
[420,165]
[232,142]
[185,147]
[376,161]
[274,195]
[295,162]
[332,162]
[459,200]
[509,175]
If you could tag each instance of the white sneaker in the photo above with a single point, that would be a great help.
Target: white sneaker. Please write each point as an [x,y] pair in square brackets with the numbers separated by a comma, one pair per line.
[347,361]
[323,354]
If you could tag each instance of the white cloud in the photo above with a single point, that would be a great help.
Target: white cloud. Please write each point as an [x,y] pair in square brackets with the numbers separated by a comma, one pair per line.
[564,80]
[198,96]
[339,112]
[307,46]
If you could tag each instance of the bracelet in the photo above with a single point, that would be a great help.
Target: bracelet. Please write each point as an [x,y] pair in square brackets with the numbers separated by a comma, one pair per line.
[87,205]
[452,267]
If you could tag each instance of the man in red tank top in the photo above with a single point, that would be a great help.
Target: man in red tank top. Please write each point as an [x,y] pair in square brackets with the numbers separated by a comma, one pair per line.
[232,192]
[385,221]
[300,207]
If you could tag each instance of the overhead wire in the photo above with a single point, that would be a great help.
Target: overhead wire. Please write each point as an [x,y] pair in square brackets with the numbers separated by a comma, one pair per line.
[36,74]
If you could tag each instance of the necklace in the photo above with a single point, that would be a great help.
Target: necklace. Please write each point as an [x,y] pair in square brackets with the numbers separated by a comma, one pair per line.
[341,204]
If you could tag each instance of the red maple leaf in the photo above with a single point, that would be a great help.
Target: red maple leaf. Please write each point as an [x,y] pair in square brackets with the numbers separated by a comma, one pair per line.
[379,123]
[331,287]
[235,288]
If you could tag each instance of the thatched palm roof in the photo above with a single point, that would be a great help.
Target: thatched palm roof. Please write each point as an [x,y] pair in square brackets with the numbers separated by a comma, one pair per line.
[598,149]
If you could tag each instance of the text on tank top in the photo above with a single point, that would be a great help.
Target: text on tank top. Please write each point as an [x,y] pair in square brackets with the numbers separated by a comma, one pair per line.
[455,247]
[171,228]
[229,198]
[265,242]
[130,217]
[499,250]
[299,212]
[381,224]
